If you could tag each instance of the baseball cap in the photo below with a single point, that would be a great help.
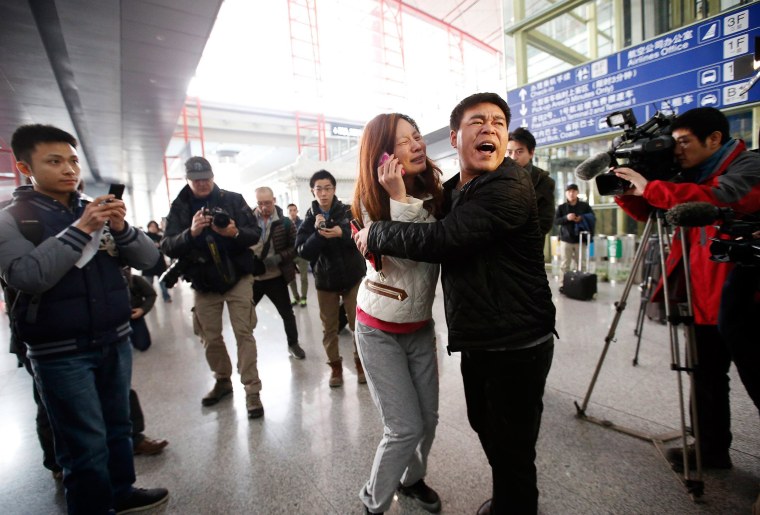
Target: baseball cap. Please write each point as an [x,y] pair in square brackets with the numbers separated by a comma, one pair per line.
[197,168]
[572,186]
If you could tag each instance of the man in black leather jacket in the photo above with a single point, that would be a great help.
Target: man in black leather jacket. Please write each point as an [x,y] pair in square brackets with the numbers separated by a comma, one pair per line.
[216,258]
[498,302]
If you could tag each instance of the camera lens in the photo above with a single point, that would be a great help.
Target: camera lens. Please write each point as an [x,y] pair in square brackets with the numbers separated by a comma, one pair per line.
[322,225]
[221,220]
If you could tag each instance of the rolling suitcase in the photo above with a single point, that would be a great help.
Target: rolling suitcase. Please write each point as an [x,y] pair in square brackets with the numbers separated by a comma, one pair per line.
[580,285]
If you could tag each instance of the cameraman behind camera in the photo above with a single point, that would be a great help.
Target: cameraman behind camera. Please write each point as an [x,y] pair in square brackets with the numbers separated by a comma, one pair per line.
[210,231]
[717,169]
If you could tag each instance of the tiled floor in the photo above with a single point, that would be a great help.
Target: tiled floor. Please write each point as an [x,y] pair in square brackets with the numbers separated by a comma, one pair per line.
[312,451]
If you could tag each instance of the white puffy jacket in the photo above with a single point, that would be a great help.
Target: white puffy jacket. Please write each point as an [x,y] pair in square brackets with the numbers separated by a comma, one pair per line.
[405,293]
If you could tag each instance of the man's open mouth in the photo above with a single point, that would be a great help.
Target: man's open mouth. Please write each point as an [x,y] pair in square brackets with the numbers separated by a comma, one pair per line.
[487,147]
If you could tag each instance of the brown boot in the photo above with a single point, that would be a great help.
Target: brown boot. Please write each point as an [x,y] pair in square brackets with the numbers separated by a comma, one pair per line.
[360,378]
[336,376]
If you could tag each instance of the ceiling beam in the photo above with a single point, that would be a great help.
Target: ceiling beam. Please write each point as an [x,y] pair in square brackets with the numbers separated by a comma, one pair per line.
[535,20]
[551,46]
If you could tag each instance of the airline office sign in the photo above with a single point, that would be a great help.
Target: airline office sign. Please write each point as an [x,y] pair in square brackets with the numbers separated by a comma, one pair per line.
[688,68]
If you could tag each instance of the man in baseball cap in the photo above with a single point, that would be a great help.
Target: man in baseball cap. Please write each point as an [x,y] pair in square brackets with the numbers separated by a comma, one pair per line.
[218,262]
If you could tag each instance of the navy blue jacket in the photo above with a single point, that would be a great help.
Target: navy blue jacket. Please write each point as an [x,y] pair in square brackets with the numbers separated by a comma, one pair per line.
[79,308]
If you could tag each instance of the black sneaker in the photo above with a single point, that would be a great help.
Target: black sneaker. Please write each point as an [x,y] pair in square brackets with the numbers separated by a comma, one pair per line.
[423,494]
[720,460]
[296,351]
[142,499]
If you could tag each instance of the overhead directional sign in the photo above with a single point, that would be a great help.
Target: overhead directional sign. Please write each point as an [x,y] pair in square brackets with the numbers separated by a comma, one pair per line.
[704,64]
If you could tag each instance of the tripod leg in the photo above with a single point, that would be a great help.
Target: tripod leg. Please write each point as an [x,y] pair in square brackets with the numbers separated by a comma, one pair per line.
[690,350]
[619,308]
[639,330]
[694,485]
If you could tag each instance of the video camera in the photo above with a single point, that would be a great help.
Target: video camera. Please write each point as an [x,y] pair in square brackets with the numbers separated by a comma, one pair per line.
[219,217]
[743,247]
[648,149]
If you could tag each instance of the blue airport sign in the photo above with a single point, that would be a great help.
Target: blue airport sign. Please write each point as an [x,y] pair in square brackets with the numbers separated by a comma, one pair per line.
[692,67]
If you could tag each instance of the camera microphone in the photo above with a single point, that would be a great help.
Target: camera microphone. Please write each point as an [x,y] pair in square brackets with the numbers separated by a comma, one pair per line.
[593,166]
[697,214]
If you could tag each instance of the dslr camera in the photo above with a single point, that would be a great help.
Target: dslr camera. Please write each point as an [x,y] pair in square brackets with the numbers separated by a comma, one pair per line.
[647,149]
[219,217]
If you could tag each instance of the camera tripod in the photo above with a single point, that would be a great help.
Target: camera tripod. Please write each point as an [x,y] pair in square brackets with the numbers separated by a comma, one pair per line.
[692,480]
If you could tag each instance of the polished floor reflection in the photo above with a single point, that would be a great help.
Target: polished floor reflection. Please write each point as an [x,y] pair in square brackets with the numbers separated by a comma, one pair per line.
[312,450]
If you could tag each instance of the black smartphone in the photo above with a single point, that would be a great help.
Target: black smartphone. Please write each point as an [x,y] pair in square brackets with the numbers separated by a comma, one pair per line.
[116,190]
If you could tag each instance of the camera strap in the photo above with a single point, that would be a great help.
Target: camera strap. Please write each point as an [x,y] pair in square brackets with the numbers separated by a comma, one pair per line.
[217,259]
[265,248]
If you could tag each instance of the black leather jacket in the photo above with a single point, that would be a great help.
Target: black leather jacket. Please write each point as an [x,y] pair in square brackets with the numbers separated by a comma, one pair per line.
[194,254]
[490,247]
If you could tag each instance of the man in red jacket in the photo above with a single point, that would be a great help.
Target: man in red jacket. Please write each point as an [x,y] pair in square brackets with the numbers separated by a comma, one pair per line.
[719,170]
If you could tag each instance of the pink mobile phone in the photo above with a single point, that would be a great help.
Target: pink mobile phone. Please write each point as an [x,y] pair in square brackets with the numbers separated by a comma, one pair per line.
[384,158]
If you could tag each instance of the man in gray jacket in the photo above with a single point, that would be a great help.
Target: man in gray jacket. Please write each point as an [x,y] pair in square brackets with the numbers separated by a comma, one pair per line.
[60,258]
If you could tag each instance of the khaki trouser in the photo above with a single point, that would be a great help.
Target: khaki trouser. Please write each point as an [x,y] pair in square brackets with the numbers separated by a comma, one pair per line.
[208,323]
[568,253]
[329,308]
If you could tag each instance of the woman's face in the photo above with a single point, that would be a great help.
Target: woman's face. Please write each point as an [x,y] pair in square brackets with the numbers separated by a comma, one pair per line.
[410,148]
[153,228]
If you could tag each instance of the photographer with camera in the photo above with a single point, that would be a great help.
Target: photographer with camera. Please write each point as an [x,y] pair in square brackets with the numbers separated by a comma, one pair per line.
[210,231]
[324,238]
[717,169]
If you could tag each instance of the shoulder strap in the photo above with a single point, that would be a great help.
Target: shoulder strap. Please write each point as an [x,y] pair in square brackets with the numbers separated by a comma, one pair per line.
[29,226]
[31,229]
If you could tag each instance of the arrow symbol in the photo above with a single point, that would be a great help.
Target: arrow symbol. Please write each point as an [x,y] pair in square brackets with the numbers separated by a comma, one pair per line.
[524,124]
[523,110]
[523,93]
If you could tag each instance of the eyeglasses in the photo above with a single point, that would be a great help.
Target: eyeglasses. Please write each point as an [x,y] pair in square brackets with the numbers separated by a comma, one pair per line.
[265,203]
[320,189]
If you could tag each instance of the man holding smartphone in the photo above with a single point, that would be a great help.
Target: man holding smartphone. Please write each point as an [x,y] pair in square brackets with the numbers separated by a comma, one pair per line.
[71,314]
[324,238]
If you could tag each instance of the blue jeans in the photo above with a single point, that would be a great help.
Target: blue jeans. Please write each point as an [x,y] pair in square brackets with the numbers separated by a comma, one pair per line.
[87,399]
[164,290]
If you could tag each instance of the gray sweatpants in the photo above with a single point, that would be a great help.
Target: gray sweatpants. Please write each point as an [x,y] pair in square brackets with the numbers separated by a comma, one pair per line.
[402,375]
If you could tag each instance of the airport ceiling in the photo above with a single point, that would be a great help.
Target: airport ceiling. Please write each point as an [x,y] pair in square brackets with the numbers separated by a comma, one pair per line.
[115,72]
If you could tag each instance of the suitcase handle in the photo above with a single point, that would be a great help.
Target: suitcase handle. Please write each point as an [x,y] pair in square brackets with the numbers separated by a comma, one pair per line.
[580,251]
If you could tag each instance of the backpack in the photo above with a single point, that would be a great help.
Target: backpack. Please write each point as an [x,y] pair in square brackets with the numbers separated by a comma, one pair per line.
[31,229]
